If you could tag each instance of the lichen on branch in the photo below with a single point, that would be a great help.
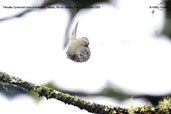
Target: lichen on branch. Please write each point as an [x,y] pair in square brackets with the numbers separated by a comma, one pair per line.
[164,106]
[64,97]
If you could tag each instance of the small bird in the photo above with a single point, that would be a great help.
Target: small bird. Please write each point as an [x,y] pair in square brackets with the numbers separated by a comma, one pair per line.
[78,49]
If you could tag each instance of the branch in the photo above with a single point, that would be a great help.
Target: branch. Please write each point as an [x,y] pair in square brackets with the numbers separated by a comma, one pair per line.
[16,16]
[50,93]
[163,107]
[52,2]
[73,11]
[112,91]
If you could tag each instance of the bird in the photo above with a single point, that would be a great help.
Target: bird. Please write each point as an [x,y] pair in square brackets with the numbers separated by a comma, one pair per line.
[78,48]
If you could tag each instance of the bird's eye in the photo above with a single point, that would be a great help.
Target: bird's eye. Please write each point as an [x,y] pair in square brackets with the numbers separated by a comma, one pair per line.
[81,54]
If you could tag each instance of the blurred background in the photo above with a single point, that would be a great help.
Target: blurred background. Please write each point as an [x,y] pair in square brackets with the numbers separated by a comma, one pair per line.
[130,52]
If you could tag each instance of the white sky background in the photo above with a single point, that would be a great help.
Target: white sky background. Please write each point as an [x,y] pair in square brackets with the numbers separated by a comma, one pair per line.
[124,50]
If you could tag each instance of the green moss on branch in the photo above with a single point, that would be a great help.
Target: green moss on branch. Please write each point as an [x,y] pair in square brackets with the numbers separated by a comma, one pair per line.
[164,106]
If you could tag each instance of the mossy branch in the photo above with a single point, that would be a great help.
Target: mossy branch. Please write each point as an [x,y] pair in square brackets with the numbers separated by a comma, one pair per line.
[163,107]
[50,93]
